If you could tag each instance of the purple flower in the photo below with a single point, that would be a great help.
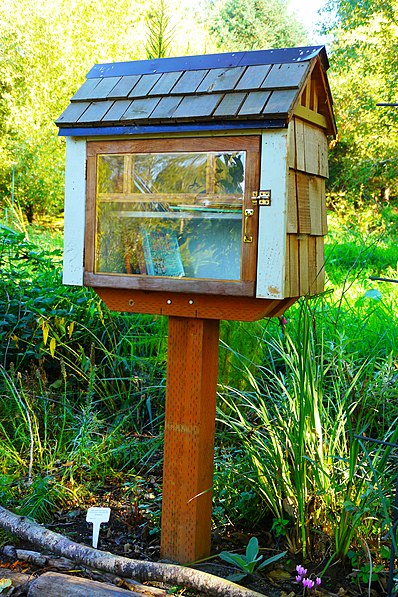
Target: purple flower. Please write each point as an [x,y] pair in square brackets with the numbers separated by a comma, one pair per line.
[299,578]
[318,581]
[307,582]
[300,570]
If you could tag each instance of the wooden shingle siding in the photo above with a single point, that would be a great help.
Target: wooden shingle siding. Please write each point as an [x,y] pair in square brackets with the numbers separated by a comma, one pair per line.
[292,217]
[311,149]
[197,106]
[280,102]
[116,111]
[253,77]
[140,108]
[85,91]
[124,87]
[166,83]
[230,105]
[166,107]
[144,86]
[220,79]
[95,112]
[103,88]
[73,112]
[303,203]
[254,103]
[285,75]
[189,82]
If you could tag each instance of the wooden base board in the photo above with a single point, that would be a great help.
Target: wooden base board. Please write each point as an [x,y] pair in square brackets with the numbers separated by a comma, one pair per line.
[203,306]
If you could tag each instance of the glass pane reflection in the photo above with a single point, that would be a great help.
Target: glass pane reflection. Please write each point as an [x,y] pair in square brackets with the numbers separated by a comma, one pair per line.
[176,214]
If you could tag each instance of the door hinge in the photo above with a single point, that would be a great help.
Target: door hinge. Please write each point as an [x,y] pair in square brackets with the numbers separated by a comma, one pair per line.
[262,198]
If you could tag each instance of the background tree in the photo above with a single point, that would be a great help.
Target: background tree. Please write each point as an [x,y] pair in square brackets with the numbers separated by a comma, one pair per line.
[253,24]
[160,31]
[364,61]
[46,49]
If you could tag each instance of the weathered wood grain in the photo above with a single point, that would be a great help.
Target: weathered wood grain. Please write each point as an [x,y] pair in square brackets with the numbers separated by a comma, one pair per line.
[254,103]
[85,91]
[103,88]
[285,75]
[197,106]
[220,79]
[280,102]
[230,105]
[144,85]
[124,87]
[166,83]
[54,584]
[95,112]
[189,82]
[166,107]
[73,112]
[292,217]
[253,77]
[303,203]
[116,111]
[140,109]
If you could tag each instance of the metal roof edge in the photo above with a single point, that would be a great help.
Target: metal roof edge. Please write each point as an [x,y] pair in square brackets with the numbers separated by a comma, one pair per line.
[116,131]
[208,61]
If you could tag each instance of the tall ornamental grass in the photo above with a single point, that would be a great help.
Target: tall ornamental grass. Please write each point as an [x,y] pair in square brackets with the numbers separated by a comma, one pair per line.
[297,421]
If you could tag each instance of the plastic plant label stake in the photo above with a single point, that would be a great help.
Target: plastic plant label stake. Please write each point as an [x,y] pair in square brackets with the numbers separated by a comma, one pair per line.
[97,516]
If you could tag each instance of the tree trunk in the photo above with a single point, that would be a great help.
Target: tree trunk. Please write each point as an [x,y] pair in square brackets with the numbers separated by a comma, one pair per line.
[118,565]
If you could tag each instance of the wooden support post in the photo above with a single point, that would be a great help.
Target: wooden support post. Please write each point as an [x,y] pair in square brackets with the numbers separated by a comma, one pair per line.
[192,371]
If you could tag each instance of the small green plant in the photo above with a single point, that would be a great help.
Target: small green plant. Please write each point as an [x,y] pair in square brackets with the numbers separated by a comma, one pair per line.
[250,562]
[364,572]
[280,526]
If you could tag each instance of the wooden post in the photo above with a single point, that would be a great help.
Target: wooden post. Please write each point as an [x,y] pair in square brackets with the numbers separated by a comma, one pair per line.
[192,371]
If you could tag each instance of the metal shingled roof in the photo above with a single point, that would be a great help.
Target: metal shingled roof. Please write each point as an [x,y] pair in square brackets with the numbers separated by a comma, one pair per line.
[235,87]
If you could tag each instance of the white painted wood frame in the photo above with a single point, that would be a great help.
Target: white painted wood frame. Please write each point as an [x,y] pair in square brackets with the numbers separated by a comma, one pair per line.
[273,219]
[75,211]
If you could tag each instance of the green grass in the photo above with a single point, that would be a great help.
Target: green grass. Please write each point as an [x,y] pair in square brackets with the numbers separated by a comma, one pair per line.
[82,397]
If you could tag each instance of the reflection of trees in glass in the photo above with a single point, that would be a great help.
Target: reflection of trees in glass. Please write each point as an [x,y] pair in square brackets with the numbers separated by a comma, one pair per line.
[117,242]
[210,248]
[208,243]
[229,173]
[170,173]
[186,173]
[110,174]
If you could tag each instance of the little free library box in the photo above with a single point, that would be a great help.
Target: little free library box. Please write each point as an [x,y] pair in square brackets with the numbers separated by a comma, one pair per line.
[195,188]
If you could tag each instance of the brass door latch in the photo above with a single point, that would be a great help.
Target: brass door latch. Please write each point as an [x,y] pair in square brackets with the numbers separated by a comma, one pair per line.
[249,213]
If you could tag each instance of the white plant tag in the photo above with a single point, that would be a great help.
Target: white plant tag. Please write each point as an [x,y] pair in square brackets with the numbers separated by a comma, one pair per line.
[97,516]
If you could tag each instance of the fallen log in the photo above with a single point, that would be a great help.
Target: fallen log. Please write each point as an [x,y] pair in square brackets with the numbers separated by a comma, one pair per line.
[54,584]
[60,563]
[140,570]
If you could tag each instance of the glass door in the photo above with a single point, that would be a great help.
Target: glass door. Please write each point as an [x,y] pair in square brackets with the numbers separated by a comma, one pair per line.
[164,214]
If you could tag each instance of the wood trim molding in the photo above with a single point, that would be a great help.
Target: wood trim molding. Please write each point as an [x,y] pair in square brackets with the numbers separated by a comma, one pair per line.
[311,116]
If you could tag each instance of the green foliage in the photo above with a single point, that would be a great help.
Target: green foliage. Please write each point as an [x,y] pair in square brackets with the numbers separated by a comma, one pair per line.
[81,398]
[364,162]
[297,425]
[160,31]
[45,56]
[250,562]
[253,24]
